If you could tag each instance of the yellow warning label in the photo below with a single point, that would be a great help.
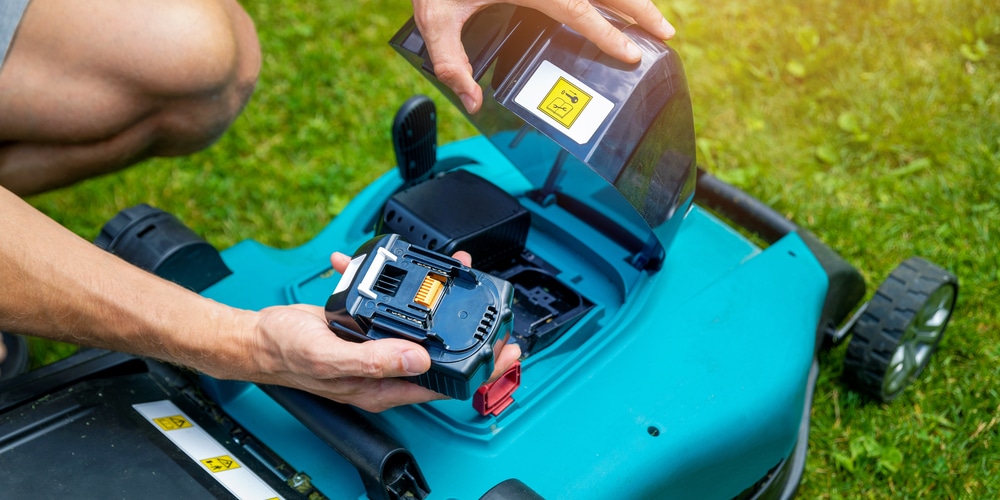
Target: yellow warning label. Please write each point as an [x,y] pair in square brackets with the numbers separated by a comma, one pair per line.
[220,464]
[172,423]
[564,102]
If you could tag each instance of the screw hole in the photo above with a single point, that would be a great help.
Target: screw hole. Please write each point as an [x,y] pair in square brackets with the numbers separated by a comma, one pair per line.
[653,431]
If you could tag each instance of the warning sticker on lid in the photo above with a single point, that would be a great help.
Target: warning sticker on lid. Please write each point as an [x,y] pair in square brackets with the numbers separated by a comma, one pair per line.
[564,102]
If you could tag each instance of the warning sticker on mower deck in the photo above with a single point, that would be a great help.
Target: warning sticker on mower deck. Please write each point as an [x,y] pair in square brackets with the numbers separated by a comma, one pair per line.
[219,464]
[564,102]
[172,422]
[197,444]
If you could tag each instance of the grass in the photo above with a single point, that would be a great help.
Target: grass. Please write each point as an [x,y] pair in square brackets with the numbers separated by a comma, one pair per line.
[876,124]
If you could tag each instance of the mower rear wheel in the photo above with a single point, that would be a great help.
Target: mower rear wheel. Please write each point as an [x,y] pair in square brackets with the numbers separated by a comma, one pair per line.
[893,340]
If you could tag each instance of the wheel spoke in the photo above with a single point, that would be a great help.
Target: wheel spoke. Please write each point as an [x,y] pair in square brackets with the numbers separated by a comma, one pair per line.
[895,375]
[910,361]
[936,310]
[904,363]
[928,325]
[925,335]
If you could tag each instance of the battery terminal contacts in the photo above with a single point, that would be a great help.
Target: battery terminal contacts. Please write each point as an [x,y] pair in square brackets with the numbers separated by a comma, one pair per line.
[430,290]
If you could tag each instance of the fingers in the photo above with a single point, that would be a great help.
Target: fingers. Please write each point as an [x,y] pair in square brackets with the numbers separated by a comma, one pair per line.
[440,22]
[389,393]
[506,357]
[369,394]
[585,19]
[366,374]
[452,68]
[647,16]
[374,359]
[295,348]
[464,257]
[363,374]
[303,344]
[339,261]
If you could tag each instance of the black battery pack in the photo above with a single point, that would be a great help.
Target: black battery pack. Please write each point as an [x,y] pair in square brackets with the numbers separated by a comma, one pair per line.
[393,289]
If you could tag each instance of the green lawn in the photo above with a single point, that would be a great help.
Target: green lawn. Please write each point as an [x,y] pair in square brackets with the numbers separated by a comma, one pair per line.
[876,124]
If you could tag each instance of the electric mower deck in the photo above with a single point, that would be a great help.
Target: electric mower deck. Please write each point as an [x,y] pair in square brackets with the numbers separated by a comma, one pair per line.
[665,353]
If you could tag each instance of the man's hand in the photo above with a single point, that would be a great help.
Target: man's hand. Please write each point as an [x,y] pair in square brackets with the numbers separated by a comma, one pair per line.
[440,22]
[299,350]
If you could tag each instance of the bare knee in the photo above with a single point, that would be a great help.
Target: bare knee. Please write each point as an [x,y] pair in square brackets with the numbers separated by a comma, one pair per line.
[207,72]
[92,87]
[86,72]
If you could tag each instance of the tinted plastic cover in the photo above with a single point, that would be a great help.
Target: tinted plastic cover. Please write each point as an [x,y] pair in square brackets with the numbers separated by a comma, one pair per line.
[630,123]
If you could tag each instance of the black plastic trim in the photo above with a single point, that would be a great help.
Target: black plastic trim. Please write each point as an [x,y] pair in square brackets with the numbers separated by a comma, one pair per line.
[158,242]
[741,208]
[387,469]
[511,489]
[647,255]
[84,365]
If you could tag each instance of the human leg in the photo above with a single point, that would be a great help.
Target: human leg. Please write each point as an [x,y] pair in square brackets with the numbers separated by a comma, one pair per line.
[92,87]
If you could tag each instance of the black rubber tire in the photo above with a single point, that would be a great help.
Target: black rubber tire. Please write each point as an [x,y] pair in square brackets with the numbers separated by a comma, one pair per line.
[894,316]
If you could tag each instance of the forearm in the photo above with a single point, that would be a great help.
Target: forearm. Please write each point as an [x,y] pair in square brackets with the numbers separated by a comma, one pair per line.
[58,286]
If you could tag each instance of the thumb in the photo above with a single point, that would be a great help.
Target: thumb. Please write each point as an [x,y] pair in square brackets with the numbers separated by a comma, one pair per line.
[388,358]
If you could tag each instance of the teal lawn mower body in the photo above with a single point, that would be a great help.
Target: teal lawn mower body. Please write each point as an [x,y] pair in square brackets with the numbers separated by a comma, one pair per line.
[692,381]
[670,323]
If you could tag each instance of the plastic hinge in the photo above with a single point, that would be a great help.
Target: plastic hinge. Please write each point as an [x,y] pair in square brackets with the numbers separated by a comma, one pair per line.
[495,397]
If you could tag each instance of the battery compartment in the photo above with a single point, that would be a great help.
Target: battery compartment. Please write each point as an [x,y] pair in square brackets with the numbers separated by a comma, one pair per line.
[544,307]
[462,211]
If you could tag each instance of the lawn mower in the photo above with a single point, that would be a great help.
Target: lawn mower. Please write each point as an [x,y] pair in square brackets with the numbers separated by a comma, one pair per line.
[669,323]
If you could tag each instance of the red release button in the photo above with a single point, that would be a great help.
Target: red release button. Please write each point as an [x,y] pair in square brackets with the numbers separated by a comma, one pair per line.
[495,397]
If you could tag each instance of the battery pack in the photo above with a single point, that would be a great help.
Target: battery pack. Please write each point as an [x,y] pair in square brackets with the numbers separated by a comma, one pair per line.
[393,289]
